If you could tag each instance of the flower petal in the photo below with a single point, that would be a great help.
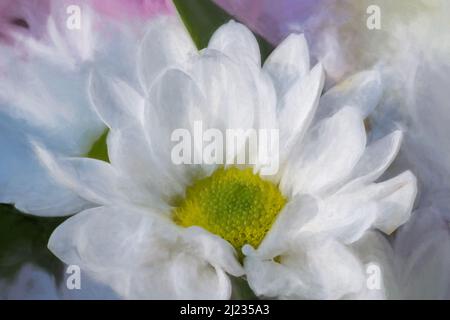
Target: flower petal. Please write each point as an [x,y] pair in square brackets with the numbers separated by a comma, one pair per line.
[168,111]
[237,42]
[130,154]
[115,101]
[310,269]
[288,63]
[297,107]
[343,219]
[377,157]
[395,208]
[229,90]
[361,91]
[213,249]
[385,205]
[327,155]
[96,181]
[92,179]
[287,226]
[22,174]
[166,44]
[375,252]
[139,255]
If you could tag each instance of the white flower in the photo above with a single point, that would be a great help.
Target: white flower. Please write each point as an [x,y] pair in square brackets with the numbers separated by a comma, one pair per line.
[42,97]
[149,237]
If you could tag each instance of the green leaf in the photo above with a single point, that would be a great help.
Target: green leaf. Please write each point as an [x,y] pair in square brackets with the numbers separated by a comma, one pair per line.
[240,289]
[23,240]
[99,149]
[203,17]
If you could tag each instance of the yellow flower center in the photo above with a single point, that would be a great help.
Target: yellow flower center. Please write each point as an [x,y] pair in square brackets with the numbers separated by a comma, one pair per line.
[234,204]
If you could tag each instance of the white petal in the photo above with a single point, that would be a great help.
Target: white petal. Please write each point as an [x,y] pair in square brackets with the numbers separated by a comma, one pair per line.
[213,249]
[167,111]
[393,200]
[53,105]
[25,183]
[266,119]
[385,206]
[139,255]
[343,219]
[375,252]
[377,157]
[297,107]
[175,109]
[287,226]
[361,91]
[115,101]
[166,44]
[327,155]
[396,208]
[237,42]
[229,90]
[130,154]
[289,62]
[266,109]
[101,239]
[213,91]
[94,180]
[311,269]
[207,283]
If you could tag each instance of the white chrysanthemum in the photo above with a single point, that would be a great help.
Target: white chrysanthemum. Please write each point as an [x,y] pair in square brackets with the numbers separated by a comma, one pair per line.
[42,97]
[177,231]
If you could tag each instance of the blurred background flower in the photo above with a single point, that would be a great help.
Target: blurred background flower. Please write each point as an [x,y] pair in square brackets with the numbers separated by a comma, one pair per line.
[44,69]
[19,15]
[31,15]
[49,65]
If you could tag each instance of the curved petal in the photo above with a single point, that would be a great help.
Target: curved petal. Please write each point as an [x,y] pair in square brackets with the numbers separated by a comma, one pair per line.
[166,44]
[297,107]
[310,269]
[196,279]
[289,62]
[361,91]
[385,206]
[375,252]
[394,197]
[237,42]
[288,225]
[92,179]
[116,103]
[96,181]
[343,219]
[25,183]
[228,88]
[139,255]
[212,93]
[327,155]
[168,113]
[130,154]
[375,160]
[214,249]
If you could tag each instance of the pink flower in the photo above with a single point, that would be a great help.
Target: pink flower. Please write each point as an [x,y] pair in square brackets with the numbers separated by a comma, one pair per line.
[30,16]
[133,8]
[22,16]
